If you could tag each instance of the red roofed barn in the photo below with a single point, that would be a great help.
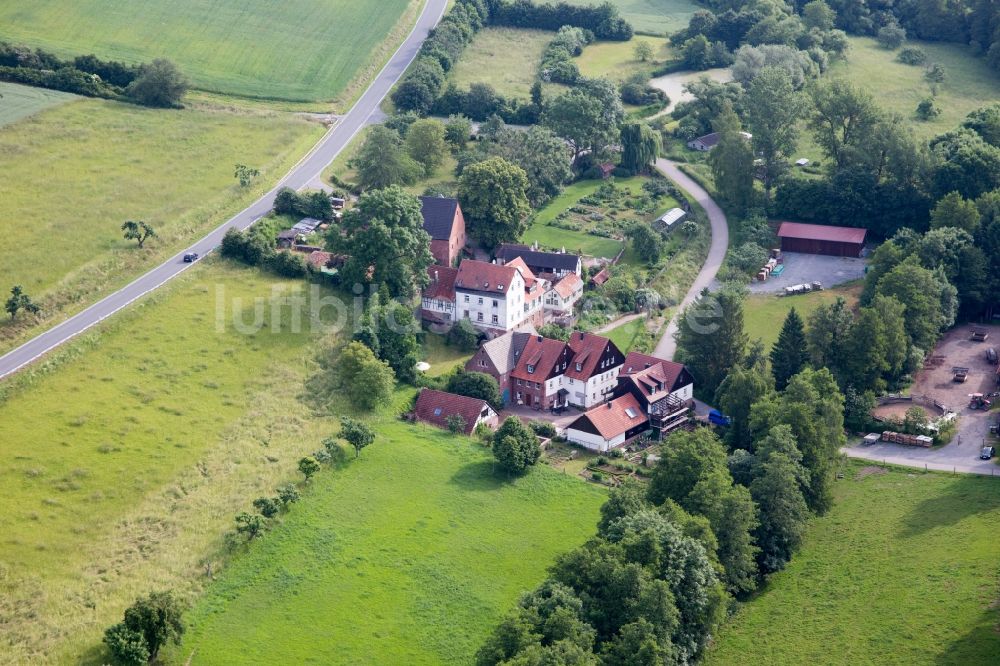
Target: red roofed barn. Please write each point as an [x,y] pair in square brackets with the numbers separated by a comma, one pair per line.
[821,239]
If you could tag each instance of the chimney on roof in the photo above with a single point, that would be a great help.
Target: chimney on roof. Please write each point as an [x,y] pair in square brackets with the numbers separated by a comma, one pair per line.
[609,405]
[494,262]
[540,338]
[435,276]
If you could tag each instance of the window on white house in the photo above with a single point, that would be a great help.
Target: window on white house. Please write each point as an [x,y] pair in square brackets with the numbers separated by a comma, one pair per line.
[479,316]
[466,298]
[480,300]
[495,304]
[496,319]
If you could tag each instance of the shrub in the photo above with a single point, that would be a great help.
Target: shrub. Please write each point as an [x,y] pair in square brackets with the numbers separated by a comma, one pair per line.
[159,84]
[912,56]
[267,506]
[542,428]
[288,494]
[456,424]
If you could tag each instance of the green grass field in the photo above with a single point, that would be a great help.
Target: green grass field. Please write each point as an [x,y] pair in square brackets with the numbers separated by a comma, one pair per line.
[74,173]
[17,101]
[626,335]
[295,50]
[657,17]
[616,60]
[764,313]
[409,555]
[505,58]
[970,82]
[127,455]
[903,570]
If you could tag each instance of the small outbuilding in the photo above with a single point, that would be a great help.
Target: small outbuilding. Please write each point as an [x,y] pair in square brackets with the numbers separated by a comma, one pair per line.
[669,220]
[437,407]
[821,239]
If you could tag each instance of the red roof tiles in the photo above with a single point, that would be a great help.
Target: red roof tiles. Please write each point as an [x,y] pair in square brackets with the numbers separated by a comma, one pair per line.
[435,407]
[616,417]
[442,285]
[588,349]
[482,276]
[821,232]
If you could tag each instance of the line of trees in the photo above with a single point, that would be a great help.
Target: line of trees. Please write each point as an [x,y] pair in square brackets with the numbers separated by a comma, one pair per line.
[157,83]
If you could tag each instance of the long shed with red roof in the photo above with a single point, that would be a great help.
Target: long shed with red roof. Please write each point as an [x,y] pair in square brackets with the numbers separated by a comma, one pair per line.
[821,239]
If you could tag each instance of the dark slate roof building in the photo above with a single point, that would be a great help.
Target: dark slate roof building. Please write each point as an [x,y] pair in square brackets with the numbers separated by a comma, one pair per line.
[557,263]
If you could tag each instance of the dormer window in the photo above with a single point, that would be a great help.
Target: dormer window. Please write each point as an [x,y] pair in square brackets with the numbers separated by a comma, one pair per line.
[531,369]
[499,287]
[579,367]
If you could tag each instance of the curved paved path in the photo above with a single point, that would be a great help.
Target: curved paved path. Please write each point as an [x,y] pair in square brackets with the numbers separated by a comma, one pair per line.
[364,112]
[716,252]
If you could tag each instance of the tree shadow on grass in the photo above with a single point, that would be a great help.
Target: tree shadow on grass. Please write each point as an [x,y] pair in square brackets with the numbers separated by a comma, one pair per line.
[967,496]
[980,645]
[480,476]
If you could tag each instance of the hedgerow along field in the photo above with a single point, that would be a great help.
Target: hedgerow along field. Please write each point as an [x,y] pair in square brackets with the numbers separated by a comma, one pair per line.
[300,50]
[127,454]
[74,173]
[901,571]
[408,555]
[17,101]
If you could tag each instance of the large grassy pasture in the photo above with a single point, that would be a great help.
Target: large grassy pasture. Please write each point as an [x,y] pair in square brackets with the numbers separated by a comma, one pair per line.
[294,50]
[656,17]
[970,82]
[74,173]
[125,457]
[17,101]
[505,58]
[903,570]
[406,556]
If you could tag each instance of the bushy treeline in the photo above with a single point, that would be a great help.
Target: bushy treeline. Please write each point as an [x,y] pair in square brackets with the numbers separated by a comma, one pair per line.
[557,64]
[602,20]
[423,88]
[153,84]
[314,204]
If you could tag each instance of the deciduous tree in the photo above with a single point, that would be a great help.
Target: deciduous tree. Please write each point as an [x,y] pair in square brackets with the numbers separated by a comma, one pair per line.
[357,433]
[476,385]
[494,200]
[732,161]
[137,231]
[425,143]
[382,161]
[515,446]
[159,83]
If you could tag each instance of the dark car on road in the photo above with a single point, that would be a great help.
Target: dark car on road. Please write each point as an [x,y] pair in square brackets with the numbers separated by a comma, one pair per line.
[987,452]
[190,257]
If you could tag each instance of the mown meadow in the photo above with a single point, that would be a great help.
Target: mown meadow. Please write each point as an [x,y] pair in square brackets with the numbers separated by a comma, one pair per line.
[17,101]
[408,555]
[901,571]
[300,50]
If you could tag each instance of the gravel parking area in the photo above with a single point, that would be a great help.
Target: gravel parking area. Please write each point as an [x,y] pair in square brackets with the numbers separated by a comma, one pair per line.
[800,268]
[935,381]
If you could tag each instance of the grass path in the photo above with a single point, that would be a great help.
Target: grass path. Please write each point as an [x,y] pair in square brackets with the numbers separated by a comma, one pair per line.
[409,556]
[17,101]
[901,571]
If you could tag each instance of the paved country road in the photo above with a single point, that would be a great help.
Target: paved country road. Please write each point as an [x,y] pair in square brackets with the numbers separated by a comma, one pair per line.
[364,112]
[716,252]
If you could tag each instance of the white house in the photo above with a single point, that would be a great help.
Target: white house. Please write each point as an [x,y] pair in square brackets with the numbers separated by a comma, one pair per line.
[497,298]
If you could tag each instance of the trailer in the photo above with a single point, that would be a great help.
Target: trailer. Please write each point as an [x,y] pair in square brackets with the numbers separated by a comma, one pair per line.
[991,356]
[979,335]
[715,417]
[959,374]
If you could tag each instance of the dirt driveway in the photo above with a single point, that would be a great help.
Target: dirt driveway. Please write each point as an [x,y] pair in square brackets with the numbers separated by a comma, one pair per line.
[935,381]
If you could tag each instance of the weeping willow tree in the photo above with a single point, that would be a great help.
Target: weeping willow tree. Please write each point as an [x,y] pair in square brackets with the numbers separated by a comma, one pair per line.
[640,146]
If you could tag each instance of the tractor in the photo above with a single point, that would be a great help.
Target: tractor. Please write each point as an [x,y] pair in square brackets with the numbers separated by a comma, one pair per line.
[978,401]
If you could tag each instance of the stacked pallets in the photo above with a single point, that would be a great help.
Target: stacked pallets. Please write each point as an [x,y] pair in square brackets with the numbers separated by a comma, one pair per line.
[910,440]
